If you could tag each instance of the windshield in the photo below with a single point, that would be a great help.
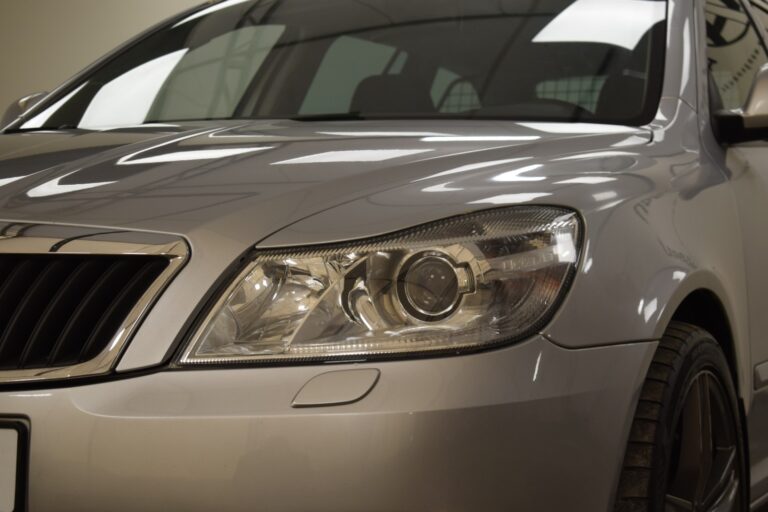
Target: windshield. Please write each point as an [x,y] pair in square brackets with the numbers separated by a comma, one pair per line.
[546,60]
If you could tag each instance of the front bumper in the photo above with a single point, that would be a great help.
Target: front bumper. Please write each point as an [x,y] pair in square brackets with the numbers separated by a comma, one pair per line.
[530,427]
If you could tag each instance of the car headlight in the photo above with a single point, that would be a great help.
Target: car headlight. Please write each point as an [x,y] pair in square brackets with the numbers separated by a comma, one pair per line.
[465,283]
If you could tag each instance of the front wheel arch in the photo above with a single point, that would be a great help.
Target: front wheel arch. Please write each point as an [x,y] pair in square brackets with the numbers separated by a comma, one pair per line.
[704,309]
[670,459]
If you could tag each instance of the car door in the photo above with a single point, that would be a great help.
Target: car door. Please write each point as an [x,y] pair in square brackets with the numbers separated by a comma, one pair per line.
[735,52]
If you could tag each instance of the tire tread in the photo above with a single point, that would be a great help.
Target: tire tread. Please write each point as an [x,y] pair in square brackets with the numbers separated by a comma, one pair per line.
[642,459]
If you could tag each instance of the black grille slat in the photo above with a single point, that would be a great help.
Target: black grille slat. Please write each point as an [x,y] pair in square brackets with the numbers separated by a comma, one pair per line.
[59,310]
[6,266]
[67,342]
[32,303]
[19,277]
[90,310]
[120,307]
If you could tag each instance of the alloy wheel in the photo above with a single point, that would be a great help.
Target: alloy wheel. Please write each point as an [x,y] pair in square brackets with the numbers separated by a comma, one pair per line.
[705,471]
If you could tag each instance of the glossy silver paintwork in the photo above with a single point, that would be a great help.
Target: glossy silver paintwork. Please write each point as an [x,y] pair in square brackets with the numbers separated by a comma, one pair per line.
[338,387]
[222,206]
[17,238]
[667,211]
[442,434]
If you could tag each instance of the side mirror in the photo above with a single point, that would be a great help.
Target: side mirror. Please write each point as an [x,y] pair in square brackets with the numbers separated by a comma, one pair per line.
[17,108]
[750,122]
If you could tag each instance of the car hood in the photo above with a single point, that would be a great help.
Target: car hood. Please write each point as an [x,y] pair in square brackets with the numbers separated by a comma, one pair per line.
[239,182]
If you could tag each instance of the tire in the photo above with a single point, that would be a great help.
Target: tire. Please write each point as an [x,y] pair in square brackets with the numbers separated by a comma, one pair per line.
[688,401]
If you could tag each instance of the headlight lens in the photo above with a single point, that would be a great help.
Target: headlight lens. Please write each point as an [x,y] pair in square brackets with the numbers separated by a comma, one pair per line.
[464,283]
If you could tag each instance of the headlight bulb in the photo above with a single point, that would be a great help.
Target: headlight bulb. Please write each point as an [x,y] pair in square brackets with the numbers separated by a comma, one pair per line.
[430,286]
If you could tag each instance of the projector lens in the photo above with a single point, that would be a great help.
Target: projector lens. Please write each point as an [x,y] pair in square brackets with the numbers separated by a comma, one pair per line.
[431,287]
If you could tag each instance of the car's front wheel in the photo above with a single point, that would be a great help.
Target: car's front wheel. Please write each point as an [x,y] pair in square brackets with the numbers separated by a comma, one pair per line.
[686,449]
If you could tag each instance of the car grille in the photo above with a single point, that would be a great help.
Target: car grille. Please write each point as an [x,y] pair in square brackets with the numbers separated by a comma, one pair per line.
[61,310]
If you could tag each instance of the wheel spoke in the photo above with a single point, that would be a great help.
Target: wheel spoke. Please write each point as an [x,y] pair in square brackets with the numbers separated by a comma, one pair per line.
[727,501]
[705,466]
[723,474]
[689,481]
[677,504]
[701,395]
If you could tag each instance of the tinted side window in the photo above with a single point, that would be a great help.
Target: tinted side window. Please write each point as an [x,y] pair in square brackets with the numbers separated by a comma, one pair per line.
[735,52]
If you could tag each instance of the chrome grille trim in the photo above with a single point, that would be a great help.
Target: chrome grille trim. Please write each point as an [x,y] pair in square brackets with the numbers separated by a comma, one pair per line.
[29,239]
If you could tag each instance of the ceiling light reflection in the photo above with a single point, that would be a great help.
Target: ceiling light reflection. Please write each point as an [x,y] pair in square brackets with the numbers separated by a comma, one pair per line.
[364,155]
[137,126]
[188,156]
[130,97]
[599,154]
[443,187]
[605,196]
[516,176]
[205,12]
[505,138]
[55,188]
[650,309]
[578,128]
[633,140]
[586,180]
[8,181]
[620,23]
[509,199]
[385,134]
[475,167]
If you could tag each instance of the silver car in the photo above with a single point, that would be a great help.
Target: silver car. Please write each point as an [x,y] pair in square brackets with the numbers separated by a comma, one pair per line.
[393,255]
